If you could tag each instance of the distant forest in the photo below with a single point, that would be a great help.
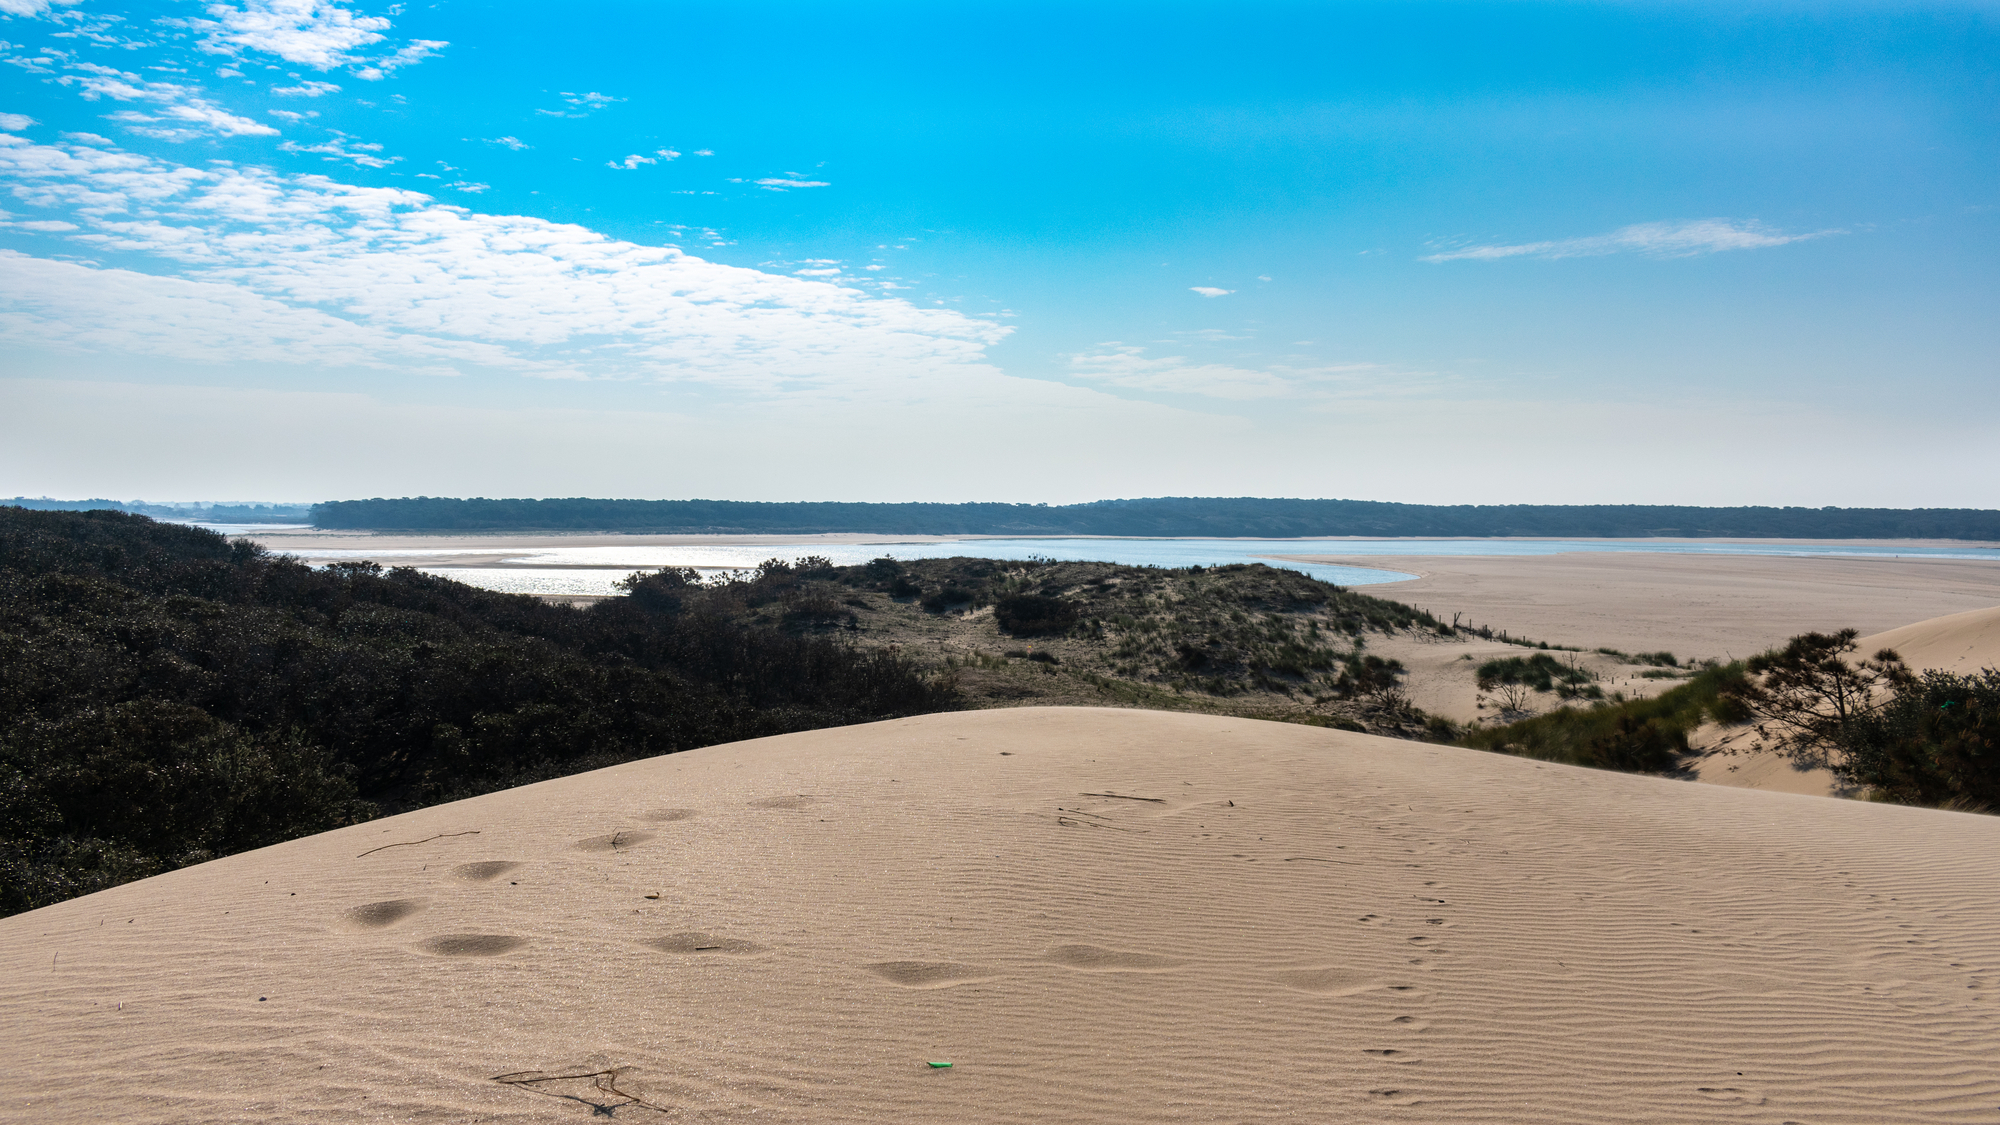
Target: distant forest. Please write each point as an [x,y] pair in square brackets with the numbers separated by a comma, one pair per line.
[1238,517]
[217,513]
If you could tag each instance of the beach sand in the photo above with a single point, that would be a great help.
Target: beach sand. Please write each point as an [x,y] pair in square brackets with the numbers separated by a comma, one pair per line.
[1093,915]
[1707,606]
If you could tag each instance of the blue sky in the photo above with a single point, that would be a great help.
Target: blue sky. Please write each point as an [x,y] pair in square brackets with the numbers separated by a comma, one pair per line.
[1504,252]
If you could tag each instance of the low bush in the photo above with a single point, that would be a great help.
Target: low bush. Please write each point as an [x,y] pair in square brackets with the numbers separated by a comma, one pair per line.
[937,601]
[1643,735]
[1030,615]
[1936,743]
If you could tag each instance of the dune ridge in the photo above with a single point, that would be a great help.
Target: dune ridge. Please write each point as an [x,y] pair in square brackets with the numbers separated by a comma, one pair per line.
[1295,923]
[1960,643]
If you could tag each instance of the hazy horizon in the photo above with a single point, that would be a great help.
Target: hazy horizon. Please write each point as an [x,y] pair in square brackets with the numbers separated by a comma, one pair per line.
[1539,253]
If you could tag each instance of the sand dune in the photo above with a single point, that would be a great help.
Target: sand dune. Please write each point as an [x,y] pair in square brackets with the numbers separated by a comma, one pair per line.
[1092,915]
[1961,643]
[1706,606]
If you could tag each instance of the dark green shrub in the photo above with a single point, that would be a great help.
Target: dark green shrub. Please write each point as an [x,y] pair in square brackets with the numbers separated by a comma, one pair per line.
[1028,615]
[1638,745]
[937,601]
[1642,734]
[1936,743]
[1541,672]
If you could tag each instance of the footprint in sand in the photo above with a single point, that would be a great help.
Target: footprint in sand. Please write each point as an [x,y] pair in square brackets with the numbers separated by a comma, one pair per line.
[484,870]
[472,945]
[614,841]
[928,974]
[664,815]
[691,942]
[1327,981]
[1390,1054]
[794,801]
[1096,958]
[381,915]
[1393,1096]
[1729,1094]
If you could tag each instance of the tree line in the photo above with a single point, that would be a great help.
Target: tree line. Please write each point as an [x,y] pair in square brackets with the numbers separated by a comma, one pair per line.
[1164,516]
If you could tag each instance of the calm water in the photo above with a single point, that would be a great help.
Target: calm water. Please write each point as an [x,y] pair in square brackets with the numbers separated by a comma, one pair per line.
[594,570]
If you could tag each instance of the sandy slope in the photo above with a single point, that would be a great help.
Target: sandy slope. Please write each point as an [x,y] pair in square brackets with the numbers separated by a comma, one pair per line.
[1110,916]
[1961,643]
[1707,606]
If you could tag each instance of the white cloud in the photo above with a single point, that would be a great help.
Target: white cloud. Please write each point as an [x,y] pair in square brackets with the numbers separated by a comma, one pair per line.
[311,33]
[515,143]
[630,162]
[1210,291]
[317,33]
[534,296]
[342,147]
[183,114]
[1122,365]
[15,122]
[50,225]
[786,185]
[31,7]
[72,307]
[581,105]
[1684,239]
[306,89]
[666,154]
[291,115]
[704,152]
[1128,367]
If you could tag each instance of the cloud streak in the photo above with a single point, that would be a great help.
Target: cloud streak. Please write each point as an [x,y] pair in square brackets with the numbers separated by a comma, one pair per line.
[445,284]
[1127,367]
[1684,239]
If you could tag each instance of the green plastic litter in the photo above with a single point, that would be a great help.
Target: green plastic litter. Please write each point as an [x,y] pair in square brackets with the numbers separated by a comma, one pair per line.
[939,1065]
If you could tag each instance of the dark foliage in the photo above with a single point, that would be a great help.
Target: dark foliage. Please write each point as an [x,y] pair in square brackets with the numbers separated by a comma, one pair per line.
[948,597]
[1368,675]
[1034,615]
[1635,744]
[1813,691]
[1540,672]
[167,695]
[1642,735]
[1164,516]
[1936,743]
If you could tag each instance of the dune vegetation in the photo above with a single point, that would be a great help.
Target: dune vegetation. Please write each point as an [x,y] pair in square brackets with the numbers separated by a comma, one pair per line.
[1244,639]
[168,696]
[1882,729]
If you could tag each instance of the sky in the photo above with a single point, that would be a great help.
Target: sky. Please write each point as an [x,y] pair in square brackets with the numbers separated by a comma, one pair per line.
[1507,252]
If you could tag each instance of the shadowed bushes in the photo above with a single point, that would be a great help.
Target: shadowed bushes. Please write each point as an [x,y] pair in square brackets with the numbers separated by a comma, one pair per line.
[167,695]
[1034,615]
